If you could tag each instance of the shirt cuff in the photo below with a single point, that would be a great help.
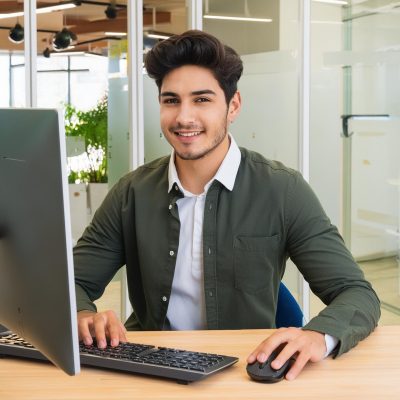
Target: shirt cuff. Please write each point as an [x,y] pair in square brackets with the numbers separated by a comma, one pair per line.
[330,342]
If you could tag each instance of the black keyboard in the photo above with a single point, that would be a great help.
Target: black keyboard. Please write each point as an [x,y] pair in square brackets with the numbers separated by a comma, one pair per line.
[181,365]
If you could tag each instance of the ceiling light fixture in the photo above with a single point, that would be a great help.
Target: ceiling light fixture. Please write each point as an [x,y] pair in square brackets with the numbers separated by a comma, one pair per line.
[46,52]
[248,19]
[63,39]
[12,15]
[335,2]
[115,33]
[16,34]
[158,35]
[40,10]
[58,7]
[111,11]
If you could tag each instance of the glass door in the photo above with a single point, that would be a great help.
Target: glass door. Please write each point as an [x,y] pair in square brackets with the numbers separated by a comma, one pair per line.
[371,143]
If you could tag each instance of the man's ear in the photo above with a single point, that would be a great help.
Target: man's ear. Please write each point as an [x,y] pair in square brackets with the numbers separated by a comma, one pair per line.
[234,107]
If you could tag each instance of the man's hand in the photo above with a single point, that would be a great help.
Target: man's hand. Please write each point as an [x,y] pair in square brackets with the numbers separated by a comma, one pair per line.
[305,345]
[100,325]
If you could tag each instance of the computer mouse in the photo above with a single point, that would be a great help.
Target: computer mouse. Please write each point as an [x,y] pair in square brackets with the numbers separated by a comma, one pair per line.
[263,372]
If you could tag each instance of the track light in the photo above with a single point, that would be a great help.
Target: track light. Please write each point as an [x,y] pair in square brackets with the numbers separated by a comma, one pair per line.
[158,35]
[16,34]
[46,52]
[63,39]
[111,11]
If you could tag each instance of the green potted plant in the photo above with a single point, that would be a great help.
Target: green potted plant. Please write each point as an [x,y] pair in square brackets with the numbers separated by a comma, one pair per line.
[90,167]
[91,126]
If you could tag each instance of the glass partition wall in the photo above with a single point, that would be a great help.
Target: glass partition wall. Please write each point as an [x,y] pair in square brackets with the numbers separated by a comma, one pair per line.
[355,135]
[316,75]
[371,145]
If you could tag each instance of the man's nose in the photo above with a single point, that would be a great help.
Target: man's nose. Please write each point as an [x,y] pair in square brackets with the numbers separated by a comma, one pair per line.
[186,114]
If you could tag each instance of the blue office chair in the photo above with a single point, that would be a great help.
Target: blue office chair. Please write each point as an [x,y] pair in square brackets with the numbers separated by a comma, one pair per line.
[288,312]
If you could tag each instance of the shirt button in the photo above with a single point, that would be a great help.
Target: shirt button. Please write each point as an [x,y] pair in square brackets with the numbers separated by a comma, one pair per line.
[209,250]
[164,298]
[176,187]
[170,207]
[171,253]
[210,206]
[210,293]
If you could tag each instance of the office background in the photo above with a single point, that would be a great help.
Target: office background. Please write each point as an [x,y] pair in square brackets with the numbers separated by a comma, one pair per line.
[320,93]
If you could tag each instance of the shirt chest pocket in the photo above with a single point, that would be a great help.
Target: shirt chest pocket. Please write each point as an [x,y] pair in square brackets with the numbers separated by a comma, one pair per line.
[255,262]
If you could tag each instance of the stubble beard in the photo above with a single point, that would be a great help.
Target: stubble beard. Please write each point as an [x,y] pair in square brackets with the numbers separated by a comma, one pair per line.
[197,156]
[189,155]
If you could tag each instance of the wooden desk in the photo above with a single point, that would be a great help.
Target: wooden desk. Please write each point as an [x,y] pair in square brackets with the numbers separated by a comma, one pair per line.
[370,371]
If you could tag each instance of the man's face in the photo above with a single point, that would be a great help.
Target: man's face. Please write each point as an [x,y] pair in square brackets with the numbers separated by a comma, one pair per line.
[193,111]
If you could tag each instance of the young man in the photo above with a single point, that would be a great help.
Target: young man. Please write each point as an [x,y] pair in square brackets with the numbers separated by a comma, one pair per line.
[205,233]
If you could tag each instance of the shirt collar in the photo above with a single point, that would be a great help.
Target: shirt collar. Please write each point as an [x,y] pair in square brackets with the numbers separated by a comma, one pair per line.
[226,173]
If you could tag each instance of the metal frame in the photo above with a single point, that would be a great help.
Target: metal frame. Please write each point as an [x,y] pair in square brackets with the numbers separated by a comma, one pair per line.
[304,124]
[136,116]
[135,82]
[195,14]
[30,51]
[347,141]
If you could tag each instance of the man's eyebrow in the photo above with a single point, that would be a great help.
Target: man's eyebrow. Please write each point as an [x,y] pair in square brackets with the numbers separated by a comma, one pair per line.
[169,94]
[205,91]
[195,93]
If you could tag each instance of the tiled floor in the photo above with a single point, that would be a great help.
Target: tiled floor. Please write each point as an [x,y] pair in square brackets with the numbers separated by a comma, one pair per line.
[383,274]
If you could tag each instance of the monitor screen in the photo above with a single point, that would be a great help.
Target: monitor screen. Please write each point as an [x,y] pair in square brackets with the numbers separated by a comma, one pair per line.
[37,294]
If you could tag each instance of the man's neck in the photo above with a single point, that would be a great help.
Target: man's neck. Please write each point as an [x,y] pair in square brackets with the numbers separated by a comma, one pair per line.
[194,174]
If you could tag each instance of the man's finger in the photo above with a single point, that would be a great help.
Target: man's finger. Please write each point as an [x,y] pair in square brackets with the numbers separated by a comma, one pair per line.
[265,348]
[100,321]
[298,366]
[114,329]
[84,324]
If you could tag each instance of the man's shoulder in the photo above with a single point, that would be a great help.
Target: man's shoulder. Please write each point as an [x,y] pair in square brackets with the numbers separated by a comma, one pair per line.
[257,162]
[153,170]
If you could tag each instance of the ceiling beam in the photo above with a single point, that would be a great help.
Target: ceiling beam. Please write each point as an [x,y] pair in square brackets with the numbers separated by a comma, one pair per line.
[14,6]
[78,26]
[101,25]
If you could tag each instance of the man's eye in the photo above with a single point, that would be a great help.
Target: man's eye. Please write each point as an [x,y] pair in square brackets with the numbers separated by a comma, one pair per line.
[202,100]
[171,101]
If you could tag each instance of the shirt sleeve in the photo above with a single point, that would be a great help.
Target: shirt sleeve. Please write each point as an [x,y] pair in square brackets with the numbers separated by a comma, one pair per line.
[318,250]
[99,252]
[330,342]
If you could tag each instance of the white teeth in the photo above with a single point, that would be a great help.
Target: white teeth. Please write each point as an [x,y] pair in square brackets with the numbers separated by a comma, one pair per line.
[188,134]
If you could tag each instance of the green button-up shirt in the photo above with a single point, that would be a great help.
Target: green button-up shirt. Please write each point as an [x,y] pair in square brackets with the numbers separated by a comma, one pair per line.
[248,234]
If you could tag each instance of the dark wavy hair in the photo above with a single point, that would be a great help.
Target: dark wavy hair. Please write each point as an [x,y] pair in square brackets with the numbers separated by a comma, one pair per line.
[196,48]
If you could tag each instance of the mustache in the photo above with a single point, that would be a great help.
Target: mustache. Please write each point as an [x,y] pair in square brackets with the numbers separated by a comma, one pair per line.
[190,127]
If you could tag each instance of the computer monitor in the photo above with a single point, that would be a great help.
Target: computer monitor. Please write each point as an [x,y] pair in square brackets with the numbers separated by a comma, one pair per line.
[37,292]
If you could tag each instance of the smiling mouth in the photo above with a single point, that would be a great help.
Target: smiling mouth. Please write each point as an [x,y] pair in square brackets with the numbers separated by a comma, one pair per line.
[188,134]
